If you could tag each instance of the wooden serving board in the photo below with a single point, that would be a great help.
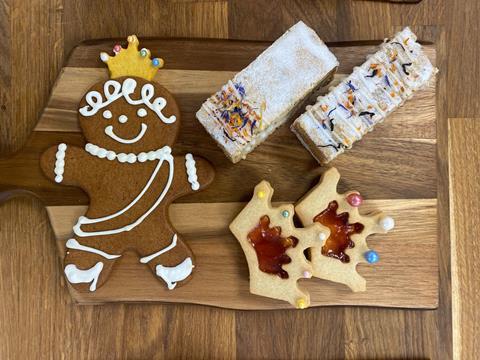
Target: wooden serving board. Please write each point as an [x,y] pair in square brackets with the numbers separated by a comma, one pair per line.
[394,167]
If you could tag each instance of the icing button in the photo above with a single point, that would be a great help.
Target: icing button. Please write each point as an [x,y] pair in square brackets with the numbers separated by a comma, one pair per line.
[102,153]
[131,158]
[142,157]
[122,157]
[62,147]
[111,155]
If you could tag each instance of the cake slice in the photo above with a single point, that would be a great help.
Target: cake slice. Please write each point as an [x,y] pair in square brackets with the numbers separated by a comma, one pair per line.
[365,98]
[261,97]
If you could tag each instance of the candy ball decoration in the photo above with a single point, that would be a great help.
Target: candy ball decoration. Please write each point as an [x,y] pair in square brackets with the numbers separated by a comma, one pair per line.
[117,48]
[372,257]
[301,304]
[355,199]
[143,52]
[307,274]
[261,194]
[285,213]
[156,62]
[387,223]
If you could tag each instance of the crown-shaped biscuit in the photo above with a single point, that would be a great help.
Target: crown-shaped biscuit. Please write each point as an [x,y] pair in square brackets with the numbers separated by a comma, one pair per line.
[131,61]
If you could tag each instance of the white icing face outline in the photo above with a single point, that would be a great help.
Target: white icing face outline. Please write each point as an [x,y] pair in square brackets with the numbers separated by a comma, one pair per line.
[110,133]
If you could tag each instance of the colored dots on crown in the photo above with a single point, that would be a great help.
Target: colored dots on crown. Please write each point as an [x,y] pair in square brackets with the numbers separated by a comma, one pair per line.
[131,61]
[261,194]
[355,199]
[371,256]
[285,213]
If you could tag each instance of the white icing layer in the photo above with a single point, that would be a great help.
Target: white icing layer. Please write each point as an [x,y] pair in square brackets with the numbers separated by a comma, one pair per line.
[75,245]
[191,171]
[164,155]
[171,275]
[109,132]
[113,90]
[146,259]
[60,162]
[76,276]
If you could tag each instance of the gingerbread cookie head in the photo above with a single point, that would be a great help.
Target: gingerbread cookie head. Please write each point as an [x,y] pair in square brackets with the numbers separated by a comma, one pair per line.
[129,113]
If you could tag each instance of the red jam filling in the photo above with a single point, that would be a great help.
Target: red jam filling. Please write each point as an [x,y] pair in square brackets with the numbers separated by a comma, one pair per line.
[270,247]
[340,231]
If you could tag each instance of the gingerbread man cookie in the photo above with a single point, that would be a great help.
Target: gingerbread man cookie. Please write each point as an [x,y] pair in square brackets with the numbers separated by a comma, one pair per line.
[128,171]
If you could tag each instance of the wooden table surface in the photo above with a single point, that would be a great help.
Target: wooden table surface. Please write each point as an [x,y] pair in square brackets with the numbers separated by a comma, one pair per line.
[37,316]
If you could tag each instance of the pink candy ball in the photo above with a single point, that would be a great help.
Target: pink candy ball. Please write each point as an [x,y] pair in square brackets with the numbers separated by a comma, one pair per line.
[355,199]
[117,48]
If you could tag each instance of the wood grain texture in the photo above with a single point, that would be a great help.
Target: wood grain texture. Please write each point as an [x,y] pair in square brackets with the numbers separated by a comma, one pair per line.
[464,194]
[410,130]
[413,280]
[375,333]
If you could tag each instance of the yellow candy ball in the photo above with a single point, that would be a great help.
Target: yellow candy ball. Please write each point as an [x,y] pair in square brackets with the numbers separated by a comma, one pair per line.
[301,304]
[261,194]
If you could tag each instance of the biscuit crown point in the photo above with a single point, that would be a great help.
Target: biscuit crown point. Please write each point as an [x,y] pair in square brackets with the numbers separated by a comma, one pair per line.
[131,62]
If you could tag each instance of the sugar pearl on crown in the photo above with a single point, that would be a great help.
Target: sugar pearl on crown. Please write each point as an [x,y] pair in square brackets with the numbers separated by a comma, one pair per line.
[355,199]
[307,274]
[143,52]
[301,304]
[387,223]
[104,56]
[261,194]
[151,155]
[117,48]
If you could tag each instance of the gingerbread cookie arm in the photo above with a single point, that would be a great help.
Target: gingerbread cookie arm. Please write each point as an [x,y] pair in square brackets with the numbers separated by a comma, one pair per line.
[192,173]
[61,164]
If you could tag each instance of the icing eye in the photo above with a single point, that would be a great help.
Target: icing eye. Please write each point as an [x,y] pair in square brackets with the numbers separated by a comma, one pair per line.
[122,119]
[107,114]
[142,112]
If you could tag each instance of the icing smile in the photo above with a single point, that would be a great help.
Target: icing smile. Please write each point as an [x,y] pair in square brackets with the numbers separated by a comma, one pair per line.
[109,132]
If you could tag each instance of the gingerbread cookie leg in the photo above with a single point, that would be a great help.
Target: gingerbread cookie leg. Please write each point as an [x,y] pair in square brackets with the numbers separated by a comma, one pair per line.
[86,267]
[172,263]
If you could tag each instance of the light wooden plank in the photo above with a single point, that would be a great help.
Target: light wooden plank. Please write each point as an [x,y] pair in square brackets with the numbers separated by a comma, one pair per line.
[464,160]
[405,277]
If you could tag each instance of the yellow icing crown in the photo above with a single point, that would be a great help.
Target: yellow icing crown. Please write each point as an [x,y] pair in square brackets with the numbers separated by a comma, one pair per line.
[131,61]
